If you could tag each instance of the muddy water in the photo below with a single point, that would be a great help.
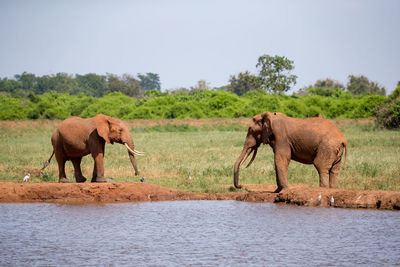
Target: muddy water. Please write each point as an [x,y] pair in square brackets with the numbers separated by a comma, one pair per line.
[196,233]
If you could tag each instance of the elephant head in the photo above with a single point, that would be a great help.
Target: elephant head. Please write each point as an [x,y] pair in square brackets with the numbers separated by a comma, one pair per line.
[259,132]
[114,130]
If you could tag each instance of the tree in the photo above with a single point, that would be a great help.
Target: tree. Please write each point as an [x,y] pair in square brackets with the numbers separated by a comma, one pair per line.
[329,83]
[92,84]
[45,84]
[200,86]
[243,83]
[275,73]
[127,84]
[28,81]
[327,87]
[65,83]
[149,81]
[361,85]
[9,85]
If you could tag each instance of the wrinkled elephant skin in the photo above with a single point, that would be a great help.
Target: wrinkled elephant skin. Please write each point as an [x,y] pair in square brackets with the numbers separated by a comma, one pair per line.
[314,141]
[75,138]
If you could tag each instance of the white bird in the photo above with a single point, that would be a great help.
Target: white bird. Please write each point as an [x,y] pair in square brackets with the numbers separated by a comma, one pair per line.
[319,197]
[26,178]
[332,200]
[190,176]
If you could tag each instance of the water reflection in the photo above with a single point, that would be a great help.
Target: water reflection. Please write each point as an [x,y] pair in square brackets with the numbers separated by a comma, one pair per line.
[196,233]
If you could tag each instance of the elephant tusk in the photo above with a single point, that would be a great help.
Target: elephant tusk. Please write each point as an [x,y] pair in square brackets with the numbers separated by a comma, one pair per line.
[245,157]
[138,152]
[134,151]
[252,158]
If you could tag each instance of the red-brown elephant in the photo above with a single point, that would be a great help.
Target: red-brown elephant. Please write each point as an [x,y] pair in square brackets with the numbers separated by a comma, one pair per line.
[310,141]
[75,138]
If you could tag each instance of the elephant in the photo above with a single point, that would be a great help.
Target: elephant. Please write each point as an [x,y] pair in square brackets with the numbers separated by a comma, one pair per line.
[75,138]
[314,141]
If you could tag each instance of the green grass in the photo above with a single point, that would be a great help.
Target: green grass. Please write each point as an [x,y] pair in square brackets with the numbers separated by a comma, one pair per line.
[208,151]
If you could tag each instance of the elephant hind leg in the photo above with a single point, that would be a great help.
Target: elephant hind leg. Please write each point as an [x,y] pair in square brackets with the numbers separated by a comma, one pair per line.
[78,172]
[333,175]
[323,171]
[323,177]
[62,177]
[327,166]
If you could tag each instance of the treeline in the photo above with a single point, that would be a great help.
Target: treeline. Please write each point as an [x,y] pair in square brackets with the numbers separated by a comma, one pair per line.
[187,104]
[59,96]
[274,77]
[90,84]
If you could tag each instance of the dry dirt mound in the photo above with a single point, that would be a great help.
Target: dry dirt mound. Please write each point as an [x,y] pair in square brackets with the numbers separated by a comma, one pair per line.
[95,193]
[73,193]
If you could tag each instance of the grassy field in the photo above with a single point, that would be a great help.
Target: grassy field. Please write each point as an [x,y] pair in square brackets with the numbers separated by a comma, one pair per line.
[205,148]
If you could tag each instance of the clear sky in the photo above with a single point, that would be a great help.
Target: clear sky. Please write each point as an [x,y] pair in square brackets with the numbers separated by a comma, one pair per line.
[185,41]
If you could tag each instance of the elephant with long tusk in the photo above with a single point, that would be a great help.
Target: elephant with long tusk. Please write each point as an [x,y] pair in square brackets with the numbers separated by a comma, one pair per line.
[75,138]
[314,141]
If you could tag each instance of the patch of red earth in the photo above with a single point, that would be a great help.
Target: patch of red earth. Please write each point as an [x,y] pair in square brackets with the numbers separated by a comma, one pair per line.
[74,193]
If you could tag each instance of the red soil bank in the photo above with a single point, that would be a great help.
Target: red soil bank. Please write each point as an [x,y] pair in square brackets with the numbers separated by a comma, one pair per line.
[90,193]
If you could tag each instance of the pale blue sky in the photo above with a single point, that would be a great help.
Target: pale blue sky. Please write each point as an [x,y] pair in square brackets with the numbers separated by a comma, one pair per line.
[186,41]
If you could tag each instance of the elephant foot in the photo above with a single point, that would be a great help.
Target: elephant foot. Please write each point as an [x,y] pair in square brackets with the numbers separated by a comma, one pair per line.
[81,180]
[99,180]
[63,180]
[279,189]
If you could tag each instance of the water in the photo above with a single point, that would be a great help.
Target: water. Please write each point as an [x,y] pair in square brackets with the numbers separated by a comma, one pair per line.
[196,233]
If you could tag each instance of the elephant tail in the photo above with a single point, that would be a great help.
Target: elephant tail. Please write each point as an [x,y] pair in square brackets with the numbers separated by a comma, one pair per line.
[344,144]
[47,162]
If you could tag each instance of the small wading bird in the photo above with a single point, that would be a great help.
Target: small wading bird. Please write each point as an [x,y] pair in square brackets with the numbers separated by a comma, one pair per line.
[319,197]
[332,200]
[26,178]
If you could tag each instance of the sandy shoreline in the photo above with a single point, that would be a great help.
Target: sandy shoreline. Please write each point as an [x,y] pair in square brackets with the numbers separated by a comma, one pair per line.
[89,193]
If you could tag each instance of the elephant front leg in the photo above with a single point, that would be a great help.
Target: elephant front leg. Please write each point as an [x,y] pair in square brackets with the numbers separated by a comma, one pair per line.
[281,171]
[98,170]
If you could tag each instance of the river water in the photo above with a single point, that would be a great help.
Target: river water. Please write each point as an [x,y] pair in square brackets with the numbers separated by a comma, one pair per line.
[196,233]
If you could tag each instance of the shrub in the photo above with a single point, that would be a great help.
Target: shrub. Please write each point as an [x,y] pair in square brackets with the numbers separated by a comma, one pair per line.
[13,108]
[51,105]
[114,104]
[200,104]
[184,110]
[388,113]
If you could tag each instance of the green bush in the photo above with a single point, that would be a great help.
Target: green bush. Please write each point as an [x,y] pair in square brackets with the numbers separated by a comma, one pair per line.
[13,108]
[114,104]
[186,104]
[51,106]
[388,112]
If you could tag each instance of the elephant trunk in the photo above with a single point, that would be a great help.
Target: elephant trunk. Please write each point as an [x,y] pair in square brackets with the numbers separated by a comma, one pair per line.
[242,157]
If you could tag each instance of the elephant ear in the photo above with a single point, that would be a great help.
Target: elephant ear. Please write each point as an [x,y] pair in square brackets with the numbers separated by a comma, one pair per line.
[103,126]
[267,127]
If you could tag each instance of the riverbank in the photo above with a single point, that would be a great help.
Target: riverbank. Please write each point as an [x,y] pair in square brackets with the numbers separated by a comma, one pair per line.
[88,193]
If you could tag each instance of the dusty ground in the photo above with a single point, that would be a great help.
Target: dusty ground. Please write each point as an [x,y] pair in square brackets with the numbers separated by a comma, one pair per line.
[73,193]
